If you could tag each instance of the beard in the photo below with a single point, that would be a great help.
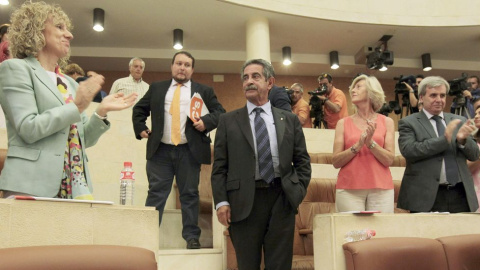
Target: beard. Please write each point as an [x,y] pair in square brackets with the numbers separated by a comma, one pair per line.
[183,79]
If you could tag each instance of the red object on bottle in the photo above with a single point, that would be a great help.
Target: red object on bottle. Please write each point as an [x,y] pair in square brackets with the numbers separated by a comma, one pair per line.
[127,184]
[127,172]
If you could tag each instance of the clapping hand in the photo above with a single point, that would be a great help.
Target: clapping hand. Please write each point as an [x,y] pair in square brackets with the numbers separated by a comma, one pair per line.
[467,128]
[116,102]
[87,90]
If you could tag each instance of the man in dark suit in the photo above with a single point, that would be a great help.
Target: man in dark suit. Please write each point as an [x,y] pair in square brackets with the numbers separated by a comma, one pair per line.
[436,146]
[279,98]
[177,146]
[260,174]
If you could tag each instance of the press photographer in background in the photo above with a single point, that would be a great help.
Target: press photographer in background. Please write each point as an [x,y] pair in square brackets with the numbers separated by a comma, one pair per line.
[334,101]
[413,93]
[465,92]
[300,107]
[316,105]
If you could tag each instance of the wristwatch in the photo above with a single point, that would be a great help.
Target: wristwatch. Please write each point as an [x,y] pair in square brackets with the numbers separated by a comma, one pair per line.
[411,91]
[371,146]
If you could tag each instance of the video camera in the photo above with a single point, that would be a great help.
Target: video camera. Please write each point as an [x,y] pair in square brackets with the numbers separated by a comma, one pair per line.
[317,105]
[289,93]
[320,91]
[401,88]
[458,85]
[391,106]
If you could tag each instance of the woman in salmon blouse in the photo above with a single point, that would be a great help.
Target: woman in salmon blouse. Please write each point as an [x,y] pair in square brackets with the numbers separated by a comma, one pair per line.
[474,166]
[364,149]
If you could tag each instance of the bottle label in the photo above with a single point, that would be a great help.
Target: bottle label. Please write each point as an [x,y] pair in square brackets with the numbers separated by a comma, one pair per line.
[127,175]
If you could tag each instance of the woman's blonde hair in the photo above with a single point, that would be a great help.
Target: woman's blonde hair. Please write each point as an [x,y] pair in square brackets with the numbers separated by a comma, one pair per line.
[27,24]
[374,90]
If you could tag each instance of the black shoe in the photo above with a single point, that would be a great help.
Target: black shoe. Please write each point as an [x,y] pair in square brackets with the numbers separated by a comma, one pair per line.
[193,244]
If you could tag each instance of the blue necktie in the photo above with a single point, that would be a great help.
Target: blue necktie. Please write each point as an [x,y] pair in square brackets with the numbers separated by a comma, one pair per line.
[265,161]
[451,169]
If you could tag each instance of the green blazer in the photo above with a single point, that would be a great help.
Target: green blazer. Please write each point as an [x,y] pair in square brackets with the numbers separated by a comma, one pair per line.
[38,123]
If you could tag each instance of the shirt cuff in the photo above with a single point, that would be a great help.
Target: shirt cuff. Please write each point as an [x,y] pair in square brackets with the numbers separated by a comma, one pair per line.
[220,204]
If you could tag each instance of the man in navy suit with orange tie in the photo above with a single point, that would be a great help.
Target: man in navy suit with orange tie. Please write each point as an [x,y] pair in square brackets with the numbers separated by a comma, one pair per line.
[177,146]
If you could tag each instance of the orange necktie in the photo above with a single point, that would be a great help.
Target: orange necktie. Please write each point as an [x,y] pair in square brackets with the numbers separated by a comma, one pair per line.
[175,112]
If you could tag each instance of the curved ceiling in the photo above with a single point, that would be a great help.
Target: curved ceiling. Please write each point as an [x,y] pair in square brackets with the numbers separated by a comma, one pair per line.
[404,13]
[214,32]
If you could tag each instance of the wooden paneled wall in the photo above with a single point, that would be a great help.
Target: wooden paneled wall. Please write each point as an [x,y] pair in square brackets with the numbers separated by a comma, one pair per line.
[230,93]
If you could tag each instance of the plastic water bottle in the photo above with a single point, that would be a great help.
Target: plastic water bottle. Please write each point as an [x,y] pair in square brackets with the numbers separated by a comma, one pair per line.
[127,184]
[359,235]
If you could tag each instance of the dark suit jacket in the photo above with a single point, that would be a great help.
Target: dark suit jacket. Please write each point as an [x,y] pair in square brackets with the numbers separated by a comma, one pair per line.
[233,175]
[153,102]
[423,151]
[279,98]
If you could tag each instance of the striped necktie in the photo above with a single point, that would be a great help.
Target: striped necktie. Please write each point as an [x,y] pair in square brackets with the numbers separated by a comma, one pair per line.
[451,169]
[265,161]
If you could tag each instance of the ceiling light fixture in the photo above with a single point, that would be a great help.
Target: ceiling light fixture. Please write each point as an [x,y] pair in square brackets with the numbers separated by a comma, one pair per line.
[178,39]
[426,62]
[334,63]
[287,55]
[4,2]
[98,19]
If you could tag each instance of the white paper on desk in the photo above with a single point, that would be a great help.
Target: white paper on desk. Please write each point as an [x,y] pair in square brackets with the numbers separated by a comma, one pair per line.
[197,107]
[361,212]
[33,198]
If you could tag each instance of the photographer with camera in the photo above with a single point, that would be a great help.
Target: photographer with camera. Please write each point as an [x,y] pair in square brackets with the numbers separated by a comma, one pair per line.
[471,93]
[413,94]
[334,101]
[299,106]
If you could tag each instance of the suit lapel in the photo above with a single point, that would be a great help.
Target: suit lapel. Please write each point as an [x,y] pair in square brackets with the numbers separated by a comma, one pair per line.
[279,120]
[425,122]
[244,124]
[43,77]
[193,88]
[448,118]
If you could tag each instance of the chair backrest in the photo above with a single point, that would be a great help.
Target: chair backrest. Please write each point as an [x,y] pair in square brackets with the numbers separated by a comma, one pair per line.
[462,251]
[395,253]
[320,199]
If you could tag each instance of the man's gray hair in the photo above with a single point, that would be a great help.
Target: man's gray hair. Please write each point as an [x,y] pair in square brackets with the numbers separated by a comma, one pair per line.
[299,85]
[431,82]
[268,71]
[136,58]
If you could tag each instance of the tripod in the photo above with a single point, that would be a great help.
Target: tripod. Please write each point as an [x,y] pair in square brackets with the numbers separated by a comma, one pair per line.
[316,112]
[461,108]
[405,104]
